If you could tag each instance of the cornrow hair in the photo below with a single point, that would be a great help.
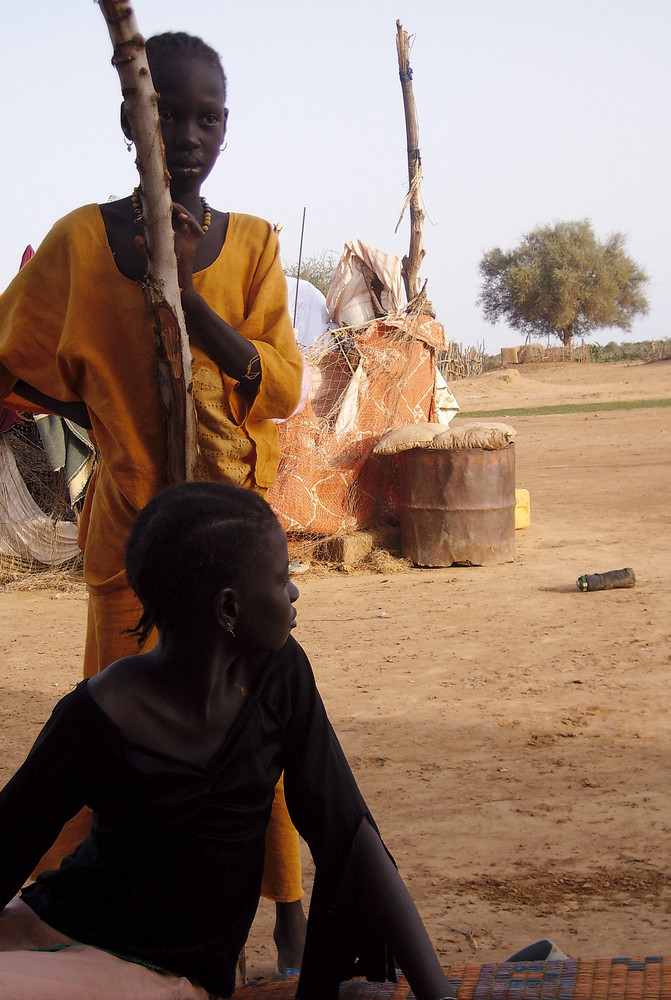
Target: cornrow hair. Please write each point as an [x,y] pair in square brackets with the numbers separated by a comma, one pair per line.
[187,544]
[179,43]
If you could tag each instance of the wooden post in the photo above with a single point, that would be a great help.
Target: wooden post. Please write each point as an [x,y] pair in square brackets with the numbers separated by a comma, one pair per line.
[172,342]
[412,262]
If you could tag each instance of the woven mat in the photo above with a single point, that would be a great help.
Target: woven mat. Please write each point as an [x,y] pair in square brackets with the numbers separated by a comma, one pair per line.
[572,979]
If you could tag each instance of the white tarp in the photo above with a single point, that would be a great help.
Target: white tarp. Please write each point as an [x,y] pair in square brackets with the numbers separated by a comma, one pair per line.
[446,404]
[26,532]
[311,320]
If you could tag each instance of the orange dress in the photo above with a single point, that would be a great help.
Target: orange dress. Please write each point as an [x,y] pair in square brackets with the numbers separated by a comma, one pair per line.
[77,329]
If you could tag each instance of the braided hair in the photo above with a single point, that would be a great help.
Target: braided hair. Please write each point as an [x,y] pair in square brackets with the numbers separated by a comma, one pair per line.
[163,48]
[187,544]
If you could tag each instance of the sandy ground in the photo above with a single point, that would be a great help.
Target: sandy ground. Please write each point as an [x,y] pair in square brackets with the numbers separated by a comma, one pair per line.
[511,734]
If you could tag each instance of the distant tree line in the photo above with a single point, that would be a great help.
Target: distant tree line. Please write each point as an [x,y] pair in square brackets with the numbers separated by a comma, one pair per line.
[642,350]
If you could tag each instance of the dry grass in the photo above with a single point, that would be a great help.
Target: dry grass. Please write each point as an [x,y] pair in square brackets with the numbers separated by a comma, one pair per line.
[383,561]
[21,574]
[384,557]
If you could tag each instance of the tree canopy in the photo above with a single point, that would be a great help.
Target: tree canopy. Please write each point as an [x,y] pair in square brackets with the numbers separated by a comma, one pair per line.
[561,280]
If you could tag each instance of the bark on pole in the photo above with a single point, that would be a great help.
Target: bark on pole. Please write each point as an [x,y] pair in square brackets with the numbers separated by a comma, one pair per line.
[172,342]
[412,262]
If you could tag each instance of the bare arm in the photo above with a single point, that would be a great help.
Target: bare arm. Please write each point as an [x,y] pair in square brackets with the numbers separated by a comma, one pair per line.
[386,902]
[232,352]
[76,412]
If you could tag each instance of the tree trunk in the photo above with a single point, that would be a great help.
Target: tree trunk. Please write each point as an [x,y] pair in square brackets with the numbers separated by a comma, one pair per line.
[172,342]
[412,262]
[565,336]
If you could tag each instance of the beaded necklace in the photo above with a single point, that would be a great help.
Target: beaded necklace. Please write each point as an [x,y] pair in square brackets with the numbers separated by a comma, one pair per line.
[137,208]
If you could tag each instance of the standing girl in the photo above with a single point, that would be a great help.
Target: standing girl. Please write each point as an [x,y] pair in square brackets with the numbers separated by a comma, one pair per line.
[76,336]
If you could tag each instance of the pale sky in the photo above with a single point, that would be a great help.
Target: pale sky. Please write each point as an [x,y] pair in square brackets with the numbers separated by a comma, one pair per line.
[529,113]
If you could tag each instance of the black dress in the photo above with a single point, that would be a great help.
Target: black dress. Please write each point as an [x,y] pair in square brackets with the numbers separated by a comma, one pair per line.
[171,871]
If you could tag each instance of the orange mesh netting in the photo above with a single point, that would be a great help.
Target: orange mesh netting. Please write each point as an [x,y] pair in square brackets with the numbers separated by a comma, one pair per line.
[383,376]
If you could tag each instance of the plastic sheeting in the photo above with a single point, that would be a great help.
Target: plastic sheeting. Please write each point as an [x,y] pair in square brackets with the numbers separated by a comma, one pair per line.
[348,299]
[69,448]
[26,532]
[446,404]
[312,320]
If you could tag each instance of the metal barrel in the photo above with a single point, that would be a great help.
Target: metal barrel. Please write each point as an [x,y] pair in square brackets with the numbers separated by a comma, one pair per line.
[457,507]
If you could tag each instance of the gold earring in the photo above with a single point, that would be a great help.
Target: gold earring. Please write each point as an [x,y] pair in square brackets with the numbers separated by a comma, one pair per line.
[230,630]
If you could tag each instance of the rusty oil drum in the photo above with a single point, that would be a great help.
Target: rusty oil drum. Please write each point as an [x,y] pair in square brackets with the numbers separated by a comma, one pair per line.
[457,506]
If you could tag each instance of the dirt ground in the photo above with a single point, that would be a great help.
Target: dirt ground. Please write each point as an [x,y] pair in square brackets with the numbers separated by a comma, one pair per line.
[511,734]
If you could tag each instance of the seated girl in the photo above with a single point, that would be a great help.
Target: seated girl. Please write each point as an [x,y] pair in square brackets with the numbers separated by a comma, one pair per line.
[177,751]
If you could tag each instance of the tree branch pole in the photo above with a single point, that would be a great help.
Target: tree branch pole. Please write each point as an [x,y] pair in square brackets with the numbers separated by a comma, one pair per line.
[172,342]
[412,262]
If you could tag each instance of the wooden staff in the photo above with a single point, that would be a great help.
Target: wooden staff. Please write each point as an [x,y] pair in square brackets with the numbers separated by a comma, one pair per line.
[172,342]
[412,262]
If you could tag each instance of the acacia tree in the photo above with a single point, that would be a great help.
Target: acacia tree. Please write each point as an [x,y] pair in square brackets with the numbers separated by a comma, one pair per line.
[318,270]
[561,280]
